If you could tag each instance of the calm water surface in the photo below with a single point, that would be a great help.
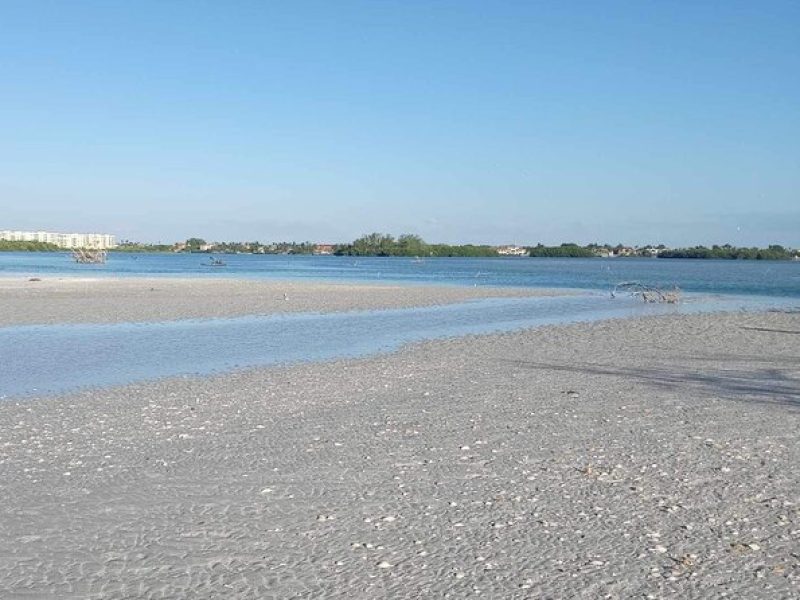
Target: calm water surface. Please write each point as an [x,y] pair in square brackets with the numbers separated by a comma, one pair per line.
[57,358]
[763,278]
[50,359]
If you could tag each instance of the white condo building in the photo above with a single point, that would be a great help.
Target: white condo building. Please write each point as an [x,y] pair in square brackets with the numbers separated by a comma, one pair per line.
[512,250]
[99,241]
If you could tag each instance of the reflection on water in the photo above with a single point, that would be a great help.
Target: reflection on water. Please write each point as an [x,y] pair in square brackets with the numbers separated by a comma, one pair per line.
[39,360]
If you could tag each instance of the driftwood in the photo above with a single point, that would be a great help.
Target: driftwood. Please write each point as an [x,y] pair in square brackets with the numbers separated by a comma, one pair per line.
[647,293]
[88,257]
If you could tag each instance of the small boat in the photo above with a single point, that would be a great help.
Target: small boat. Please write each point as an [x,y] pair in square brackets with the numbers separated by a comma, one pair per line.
[215,262]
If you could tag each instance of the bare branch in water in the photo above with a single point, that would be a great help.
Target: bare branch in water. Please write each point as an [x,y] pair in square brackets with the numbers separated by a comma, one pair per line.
[647,293]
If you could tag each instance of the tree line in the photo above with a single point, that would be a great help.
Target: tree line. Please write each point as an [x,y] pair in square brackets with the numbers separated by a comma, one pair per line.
[15,246]
[728,252]
[567,250]
[126,246]
[382,244]
[410,245]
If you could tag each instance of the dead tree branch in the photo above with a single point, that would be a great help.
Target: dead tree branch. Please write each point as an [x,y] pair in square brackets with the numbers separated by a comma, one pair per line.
[647,293]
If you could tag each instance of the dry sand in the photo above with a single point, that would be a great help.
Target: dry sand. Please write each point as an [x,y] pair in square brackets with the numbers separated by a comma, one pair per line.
[649,458]
[110,300]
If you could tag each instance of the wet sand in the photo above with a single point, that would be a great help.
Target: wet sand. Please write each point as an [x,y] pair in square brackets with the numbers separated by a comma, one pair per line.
[112,300]
[647,458]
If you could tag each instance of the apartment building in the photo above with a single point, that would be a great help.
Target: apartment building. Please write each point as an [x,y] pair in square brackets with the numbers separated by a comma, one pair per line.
[100,241]
[512,250]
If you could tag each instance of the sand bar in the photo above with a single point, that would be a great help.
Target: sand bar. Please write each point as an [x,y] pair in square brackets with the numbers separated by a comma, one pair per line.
[648,458]
[110,300]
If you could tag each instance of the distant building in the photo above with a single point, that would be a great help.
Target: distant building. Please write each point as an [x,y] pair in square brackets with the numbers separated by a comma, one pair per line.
[512,251]
[99,241]
[616,251]
[324,249]
[650,251]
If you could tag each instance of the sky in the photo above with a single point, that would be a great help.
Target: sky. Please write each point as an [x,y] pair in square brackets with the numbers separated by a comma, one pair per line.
[673,122]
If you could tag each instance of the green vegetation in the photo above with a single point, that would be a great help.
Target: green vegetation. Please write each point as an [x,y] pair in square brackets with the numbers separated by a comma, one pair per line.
[410,245]
[126,246]
[194,244]
[466,250]
[564,250]
[728,252]
[259,248]
[9,246]
[381,244]
[290,248]
[200,245]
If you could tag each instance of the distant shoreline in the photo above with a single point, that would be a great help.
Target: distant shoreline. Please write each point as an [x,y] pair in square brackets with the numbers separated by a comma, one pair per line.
[666,256]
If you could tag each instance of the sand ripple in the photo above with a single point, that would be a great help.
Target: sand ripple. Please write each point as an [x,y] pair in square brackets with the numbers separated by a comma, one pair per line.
[650,458]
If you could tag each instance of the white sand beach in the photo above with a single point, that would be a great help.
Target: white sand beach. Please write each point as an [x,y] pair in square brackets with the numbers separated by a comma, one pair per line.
[644,458]
[48,300]
[249,343]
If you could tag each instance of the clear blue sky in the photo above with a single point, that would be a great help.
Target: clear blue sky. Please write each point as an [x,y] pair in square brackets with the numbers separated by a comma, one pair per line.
[673,122]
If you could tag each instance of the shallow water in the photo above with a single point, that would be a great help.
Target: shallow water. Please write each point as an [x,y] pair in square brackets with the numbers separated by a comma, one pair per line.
[47,359]
[764,278]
